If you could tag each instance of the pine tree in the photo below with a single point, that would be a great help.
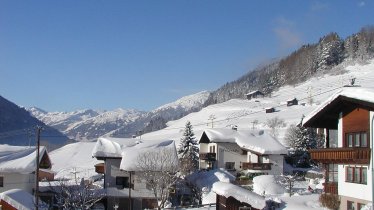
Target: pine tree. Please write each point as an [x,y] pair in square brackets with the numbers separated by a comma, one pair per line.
[188,150]
[301,139]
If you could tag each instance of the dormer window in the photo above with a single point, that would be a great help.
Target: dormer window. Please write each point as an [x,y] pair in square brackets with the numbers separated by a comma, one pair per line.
[358,139]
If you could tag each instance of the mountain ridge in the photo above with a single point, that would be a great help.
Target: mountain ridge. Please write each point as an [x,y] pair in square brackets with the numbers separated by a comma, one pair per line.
[17,125]
[306,62]
[89,124]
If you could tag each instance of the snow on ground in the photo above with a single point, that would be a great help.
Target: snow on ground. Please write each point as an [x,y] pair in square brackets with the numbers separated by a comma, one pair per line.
[304,202]
[301,198]
[242,112]
[267,185]
[74,158]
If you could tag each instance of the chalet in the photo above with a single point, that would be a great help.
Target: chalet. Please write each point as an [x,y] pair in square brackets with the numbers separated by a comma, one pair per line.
[18,166]
[292,102]
[255,94]
[347,118]
[121,175]
[232,197]
[238,150]
[269,110]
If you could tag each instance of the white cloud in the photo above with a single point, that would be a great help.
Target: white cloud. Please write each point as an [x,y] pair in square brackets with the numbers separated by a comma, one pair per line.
[284,22]
[287,37]
[319,6]
[286,34]
[361,4]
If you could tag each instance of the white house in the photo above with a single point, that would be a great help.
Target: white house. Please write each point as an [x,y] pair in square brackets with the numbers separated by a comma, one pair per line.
[121,170]
[238,150]
[18,166]
[347,118]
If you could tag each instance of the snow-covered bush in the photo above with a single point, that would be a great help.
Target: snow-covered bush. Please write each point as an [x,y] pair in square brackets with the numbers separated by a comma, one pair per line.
[267,185]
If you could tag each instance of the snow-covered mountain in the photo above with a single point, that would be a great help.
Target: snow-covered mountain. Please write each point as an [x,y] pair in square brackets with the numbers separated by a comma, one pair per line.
[250,114]
[186,103]
[62,120]
[17,127]
[89,124]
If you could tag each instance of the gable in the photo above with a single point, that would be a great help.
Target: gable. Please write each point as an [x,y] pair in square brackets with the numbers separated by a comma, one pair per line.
[204,139]
[328,115]
[45,162]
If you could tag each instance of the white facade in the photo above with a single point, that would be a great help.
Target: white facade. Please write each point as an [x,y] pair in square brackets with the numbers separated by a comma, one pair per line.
[18,181]
[230,154]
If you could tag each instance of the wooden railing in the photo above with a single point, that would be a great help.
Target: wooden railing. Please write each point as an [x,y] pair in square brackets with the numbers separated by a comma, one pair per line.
[331,187]
[208,156]
[256,166]
[99,168]
[341,155]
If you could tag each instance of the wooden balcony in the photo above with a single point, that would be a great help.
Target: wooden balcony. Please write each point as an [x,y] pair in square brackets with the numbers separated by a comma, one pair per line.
[256,166]
[99,168]
[331,188]
[207,156]
[341,155]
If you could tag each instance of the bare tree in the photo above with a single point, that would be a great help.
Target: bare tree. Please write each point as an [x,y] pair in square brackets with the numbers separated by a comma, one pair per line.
[288,182]
[76,194]
[274,124]
[159,169]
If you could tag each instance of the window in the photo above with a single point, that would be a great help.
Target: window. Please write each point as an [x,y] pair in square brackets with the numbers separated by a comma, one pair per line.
[360,206]
[358,139]
[350,205]
[1,181]
[333,138]
[230,165]
[364,141]
[356,175]
[332,173]
[122,182]
[349,174]
[212,149]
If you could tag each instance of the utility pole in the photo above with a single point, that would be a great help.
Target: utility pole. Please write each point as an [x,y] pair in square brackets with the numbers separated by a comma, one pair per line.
[254,122]
[130,186]
[139,133]
[212,118]
[38,130]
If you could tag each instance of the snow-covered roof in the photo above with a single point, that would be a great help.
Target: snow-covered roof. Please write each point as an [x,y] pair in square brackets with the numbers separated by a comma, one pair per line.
[129,150]
[107,147]
[19,159]
[253,140]
[240,194]
[19,199]
[74,157]
[353,94]
[255,91]
[131,154]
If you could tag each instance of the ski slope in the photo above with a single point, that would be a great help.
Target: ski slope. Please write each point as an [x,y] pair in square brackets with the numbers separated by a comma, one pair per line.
[243,113]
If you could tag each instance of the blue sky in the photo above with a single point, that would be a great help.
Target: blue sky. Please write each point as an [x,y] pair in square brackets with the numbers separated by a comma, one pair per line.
[68,55]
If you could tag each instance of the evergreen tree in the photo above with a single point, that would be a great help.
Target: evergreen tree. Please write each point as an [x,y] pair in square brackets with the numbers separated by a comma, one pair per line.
[302,139]
[188,150]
